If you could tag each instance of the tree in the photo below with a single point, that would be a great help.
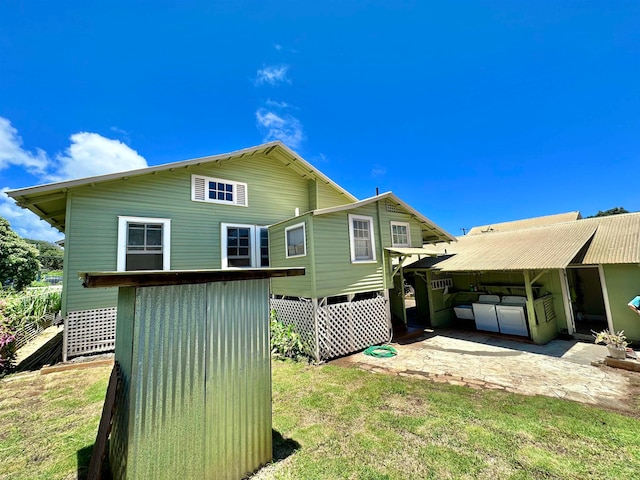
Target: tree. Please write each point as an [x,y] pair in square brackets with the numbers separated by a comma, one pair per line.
[50,255]
[611,211]
[19,264]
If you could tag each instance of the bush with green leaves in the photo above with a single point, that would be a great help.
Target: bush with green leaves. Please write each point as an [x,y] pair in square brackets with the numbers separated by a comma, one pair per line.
[286,342]
[30,306]
[19,264]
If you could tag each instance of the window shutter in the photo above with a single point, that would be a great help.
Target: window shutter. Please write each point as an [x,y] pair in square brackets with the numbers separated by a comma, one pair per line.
[199,188]
[241,194]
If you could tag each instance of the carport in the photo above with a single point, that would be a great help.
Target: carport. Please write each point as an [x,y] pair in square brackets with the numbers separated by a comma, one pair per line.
[531,262]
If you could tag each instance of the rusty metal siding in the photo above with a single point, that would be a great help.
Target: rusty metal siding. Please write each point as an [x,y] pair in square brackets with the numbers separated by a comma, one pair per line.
[199,395]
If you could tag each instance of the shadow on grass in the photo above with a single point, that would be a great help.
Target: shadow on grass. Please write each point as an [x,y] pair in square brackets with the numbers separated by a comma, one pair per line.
[83,458]
[282,447]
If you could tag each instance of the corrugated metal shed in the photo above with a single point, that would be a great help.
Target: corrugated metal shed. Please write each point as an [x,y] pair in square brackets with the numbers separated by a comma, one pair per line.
[194,354]
[525,223]
[554,246]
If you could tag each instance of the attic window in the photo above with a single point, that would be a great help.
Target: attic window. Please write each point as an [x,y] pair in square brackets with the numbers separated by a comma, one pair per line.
[400,235]
[217,190]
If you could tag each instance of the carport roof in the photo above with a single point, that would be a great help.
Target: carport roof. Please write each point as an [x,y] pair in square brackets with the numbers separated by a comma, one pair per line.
[554,246]
[602,240]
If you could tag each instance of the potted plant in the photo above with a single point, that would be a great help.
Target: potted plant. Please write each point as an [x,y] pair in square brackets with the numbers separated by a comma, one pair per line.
[616,342]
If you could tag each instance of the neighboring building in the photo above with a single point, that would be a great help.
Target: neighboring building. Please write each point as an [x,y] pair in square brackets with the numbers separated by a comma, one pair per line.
[214,212]
[576,275]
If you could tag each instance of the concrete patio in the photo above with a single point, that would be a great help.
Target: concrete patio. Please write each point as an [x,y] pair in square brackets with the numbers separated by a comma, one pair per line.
[561,368]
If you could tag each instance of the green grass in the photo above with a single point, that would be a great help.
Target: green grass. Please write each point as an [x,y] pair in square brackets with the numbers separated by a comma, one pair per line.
[343,423]
[48,421]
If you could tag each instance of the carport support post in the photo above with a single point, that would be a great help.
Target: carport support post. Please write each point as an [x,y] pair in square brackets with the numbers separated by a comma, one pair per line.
[531,311]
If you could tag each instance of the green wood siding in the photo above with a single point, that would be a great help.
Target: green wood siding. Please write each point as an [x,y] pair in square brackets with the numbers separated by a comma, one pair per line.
[335,274]
[623,283]
[388,217]
[327,196]
[298,286]
[274,191]
[330,270]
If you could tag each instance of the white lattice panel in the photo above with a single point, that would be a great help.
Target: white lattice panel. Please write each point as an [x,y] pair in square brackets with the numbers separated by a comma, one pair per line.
[90,331]
[298,313]
[345,328]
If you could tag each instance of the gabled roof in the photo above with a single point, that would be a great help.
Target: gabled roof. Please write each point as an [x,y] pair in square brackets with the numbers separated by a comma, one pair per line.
[431,233]
[617,240]
[49,201]
[526,223]
[602,240]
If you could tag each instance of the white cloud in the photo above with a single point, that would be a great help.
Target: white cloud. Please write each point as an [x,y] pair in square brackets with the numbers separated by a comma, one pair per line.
[88,155]
[285,128]
[26,223]
[91,154]
[12,153]
[272,75]
[276,104]
[378,171]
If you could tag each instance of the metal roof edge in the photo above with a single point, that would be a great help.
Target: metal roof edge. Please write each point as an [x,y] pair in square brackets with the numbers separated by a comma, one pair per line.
[387,195]
[267,147]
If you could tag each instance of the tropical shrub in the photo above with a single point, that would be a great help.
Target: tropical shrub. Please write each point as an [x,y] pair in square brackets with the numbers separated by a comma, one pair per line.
[19,264]
[22,314]
[30,306]
[286,342]
[7,349]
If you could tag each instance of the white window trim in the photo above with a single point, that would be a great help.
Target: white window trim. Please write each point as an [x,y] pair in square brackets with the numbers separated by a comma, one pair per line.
[304,239]
[255,247]
[401,224]
[122,240]
[206,198]
[352,243]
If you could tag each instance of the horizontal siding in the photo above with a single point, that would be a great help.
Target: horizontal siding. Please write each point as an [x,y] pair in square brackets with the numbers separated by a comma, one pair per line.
[335,274]
[328,197]
[291,286]
[274,191]
[415,228]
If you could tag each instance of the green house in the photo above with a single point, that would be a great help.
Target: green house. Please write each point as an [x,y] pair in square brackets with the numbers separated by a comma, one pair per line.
[208,213]
[351,254]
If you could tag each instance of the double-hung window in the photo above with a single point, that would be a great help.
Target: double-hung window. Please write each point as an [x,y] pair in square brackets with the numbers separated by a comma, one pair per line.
[143,243]
[362,243]
[244,246]
[295,241]
[217,190]
[400,234]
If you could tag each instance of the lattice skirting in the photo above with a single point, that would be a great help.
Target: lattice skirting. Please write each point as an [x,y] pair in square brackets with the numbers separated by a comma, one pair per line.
[337,329]
[90,331]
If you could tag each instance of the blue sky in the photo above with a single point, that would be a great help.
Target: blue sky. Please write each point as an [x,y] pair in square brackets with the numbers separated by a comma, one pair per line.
[471,112]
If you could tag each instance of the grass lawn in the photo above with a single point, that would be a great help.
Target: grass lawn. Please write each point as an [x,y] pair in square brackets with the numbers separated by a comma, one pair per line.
[334,422]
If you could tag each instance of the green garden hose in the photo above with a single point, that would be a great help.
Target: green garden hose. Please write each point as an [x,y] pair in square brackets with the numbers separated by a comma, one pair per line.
[381,351]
